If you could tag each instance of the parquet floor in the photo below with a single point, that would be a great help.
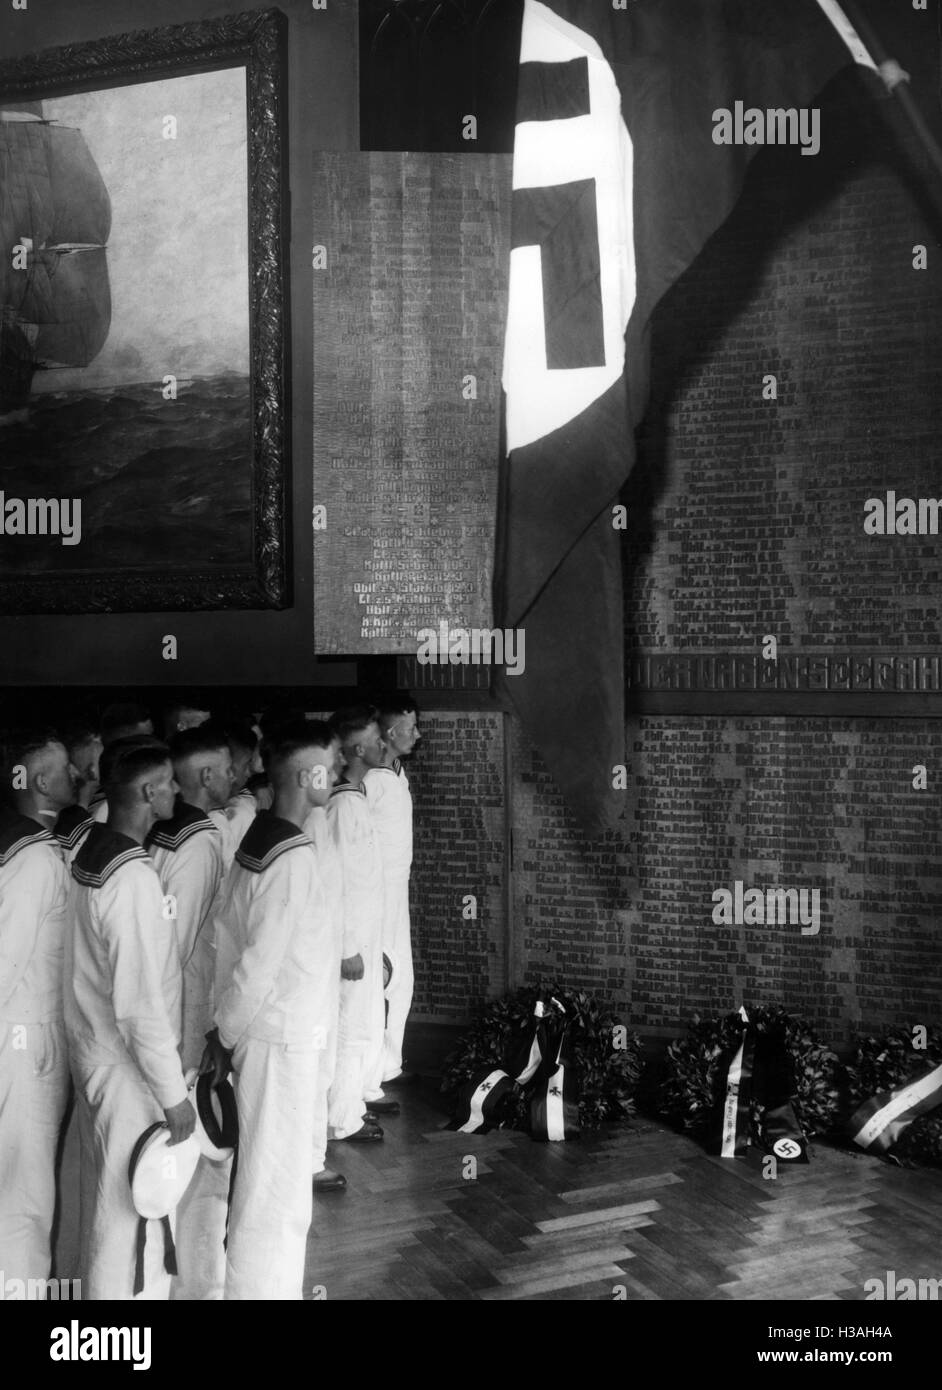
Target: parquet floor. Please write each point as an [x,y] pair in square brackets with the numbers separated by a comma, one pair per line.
[634,1211]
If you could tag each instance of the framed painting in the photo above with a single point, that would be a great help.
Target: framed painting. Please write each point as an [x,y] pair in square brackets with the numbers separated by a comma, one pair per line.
[143,308]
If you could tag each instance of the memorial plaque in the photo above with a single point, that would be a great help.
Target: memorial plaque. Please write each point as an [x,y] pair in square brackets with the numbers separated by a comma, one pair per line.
[781,803]
[408,327]
[747,511]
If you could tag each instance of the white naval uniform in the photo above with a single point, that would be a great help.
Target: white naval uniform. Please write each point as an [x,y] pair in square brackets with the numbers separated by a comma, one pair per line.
[273,996]
[70,830]
[188,854]
[34,1069]
[328,862]
[123,1005]
[233,822]
[72,826]
[387,791]
[358,1072]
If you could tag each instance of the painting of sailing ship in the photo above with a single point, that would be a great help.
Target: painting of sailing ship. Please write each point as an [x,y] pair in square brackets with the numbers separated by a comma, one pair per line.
[141,369]
[56,299]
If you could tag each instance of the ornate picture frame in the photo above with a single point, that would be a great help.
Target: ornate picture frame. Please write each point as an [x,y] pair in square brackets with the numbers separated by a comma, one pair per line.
[179,441]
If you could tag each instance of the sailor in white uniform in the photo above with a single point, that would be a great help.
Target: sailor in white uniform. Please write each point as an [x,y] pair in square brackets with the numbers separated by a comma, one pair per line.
[356,1095]
[188,854]
[241,806]
[72,825]
[119,721]
[85,748]
[34,1067]
[315,827]
[123,1006]
[390,801]
[273,991]
[187,851]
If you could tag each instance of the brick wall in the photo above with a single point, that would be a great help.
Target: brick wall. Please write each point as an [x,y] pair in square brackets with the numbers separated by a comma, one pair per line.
[457,782]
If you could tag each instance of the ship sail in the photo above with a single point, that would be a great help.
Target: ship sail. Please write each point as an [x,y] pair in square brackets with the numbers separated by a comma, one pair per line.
[78,328]
[82,208]
[54,203]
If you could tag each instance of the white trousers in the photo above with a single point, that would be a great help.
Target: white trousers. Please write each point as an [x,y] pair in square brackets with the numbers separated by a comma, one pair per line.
[201,1233]
[397,943]
[326,1069]
[358,1072]
[34,1088]
[275,1087]
[120,1106]
[197,1000]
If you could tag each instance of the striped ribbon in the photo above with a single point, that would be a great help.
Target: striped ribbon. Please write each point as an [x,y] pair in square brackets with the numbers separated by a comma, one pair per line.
[879,1122]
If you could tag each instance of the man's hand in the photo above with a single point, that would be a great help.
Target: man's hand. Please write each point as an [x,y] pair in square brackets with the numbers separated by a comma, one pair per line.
[182,1121]
[352,968]
[216,1058]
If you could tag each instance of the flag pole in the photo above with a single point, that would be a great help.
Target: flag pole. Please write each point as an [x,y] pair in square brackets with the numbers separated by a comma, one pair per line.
[867,50]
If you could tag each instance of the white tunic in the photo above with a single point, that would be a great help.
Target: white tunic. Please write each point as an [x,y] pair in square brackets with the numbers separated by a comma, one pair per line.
[362,1010]
[123,996]
[328,861]
[233,822]
[188,855]
[273,990]
[33,1058]
[390,801]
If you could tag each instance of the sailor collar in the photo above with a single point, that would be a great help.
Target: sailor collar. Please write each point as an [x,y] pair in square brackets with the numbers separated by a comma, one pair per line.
[103,853]
[74,822]
[185,822]
[17,832]
[348,787]
[268,837]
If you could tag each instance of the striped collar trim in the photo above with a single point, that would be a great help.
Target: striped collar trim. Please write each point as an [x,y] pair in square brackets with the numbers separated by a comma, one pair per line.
[348,787]
[17,832]
[104,852]
[395,768]
[267,838]
[73,824]
[186,822]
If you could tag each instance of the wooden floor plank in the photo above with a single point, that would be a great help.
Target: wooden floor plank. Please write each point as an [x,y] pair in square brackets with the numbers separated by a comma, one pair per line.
[636,1207]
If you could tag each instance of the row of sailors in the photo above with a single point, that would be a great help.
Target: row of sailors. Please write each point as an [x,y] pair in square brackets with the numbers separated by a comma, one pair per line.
[204,927]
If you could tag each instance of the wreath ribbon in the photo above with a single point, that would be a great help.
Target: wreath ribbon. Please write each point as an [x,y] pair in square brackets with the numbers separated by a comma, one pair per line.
[879,1122]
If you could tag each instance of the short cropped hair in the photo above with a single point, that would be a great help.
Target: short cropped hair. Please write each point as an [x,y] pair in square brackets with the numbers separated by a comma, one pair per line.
[291,738]
[173,711]
[240,734]
[127,759]
[205,738]
[353,720]
[78,733]
[118,719]
[394,706]
[16,748]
